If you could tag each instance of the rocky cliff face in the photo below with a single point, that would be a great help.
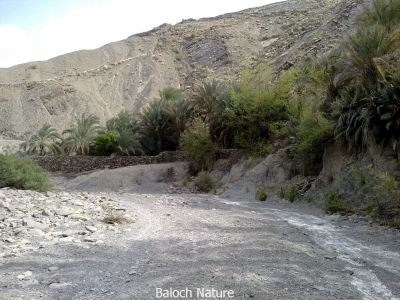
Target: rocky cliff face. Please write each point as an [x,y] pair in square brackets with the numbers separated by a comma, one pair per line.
[129,73]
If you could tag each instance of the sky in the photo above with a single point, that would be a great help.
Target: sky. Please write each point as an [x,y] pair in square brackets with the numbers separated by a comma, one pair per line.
[33,30]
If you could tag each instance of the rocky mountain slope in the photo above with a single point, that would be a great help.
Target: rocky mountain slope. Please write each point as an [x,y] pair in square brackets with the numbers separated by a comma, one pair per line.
[129,73]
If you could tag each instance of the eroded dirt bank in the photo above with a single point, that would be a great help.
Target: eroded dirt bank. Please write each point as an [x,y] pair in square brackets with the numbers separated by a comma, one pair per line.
[258,250]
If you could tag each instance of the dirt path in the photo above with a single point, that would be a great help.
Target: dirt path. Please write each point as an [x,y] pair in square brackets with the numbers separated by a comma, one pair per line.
[258,250]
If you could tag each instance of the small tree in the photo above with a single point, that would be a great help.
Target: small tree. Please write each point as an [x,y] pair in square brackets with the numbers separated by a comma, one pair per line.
[163,120]
[198,147]
[81,135]
[46,141]
[206,96]
[125,131]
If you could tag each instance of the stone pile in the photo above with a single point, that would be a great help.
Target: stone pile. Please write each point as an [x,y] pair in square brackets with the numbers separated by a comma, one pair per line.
[30,221]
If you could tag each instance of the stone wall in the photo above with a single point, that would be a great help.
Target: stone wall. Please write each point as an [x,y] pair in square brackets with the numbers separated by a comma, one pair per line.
[78,164]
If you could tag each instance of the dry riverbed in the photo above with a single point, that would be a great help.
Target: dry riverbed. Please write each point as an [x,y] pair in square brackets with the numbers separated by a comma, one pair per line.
[57,246]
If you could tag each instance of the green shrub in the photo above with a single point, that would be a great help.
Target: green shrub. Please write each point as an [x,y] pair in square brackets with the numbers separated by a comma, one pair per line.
[186,181]
[250,162]
[379,193]
[105,143]
[112,216]
[359,176]
[204,182]
[310,136]
[198,147]
[366,77]
[289,193]
[262,193]
[22,173]
[335,203]
[255,114]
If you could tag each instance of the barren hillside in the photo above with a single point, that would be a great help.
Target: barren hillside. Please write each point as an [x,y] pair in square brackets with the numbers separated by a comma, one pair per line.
[129,73]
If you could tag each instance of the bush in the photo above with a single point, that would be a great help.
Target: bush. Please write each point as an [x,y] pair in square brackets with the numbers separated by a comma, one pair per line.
[186,181]
[310,136]
[365,75]
[163,120]
[22,173]
[105,143]
[289,193]
[380,193]
[112,216]
[255,114]
[198,147]
[262,193]
[204,182]
[125,131]
[335,203]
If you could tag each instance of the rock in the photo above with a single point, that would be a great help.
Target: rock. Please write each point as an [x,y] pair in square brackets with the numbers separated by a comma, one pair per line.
[68,239]
[17,231]
[69,232]
[79,217]
[90,240]
[25,276]
[330,257]
[58,285]
[91,228]
[33,224]
[28,273]
[64,212]
[36,232]
[53,268]
[46,212]
[133,272]
[9,240]
[78,203]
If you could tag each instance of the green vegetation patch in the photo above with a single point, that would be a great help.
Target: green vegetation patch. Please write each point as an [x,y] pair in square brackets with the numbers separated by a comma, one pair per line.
[290,193]
[204,182]
[336,204]
[22,173]
[262,193]
[198,147]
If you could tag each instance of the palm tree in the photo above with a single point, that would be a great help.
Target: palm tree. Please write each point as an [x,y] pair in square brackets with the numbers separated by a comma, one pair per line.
[206,96]
[220,130]
[125,128]
[154,123]
[180,112]
[128,143]
[171,94]
[383,12]
[124,120]
[46,141]
[363,56]
[81,135]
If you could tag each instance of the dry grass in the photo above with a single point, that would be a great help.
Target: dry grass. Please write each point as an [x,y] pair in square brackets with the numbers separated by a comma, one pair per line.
[112,216]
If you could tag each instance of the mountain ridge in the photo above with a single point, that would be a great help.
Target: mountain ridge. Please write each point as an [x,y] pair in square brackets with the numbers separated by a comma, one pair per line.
[129,73]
